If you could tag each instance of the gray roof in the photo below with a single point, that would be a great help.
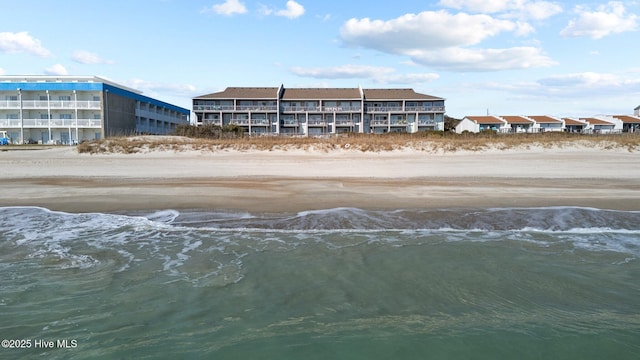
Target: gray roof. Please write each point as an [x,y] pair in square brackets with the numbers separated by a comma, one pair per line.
[244,93]
[396,94]
[321,93]
[318,93]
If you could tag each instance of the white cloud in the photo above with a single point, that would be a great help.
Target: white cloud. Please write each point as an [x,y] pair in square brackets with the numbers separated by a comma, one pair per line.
[414,78]
[441,40]
[86,57]
[524,9]
[589,80]
[158,87]
[342,72]
[607,19]
[462,59]
[21,42]
[227,8]
[293,10]
[377,74]
[427,29]
[56,69]
[539,10]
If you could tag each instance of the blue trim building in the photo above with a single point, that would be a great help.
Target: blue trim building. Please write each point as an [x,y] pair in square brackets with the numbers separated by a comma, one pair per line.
[69,109]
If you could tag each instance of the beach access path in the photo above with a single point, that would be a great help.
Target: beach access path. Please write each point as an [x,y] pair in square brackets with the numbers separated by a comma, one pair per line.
[295,180]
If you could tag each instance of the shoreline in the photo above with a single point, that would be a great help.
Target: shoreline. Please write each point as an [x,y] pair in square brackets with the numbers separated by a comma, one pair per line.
[293,181]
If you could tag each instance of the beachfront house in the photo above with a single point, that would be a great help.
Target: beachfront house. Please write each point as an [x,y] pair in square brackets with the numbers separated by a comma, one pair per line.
[574,125]
[319,111]
[544,123]
[518,124]
[70,109]
[636,111]
[602,124]
[476,124]
[629,123]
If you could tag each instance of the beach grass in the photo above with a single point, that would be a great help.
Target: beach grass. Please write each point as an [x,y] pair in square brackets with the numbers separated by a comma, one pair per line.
[433,142]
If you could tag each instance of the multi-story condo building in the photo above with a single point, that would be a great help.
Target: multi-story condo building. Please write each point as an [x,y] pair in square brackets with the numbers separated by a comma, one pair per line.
[69,109]
[316,111]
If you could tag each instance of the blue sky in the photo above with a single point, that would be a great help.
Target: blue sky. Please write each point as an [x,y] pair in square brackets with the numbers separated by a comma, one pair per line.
[507,57]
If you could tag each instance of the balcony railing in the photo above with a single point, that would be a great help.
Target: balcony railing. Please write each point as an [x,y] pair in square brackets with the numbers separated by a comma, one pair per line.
[53,123]
[424,108]
[53,104]
[290,123]
[373,109]
[344,123]
[212,107]
[317,123]
[383,108]
[246,122]
[299,108]
[256,108]
[379,122]
[341,108]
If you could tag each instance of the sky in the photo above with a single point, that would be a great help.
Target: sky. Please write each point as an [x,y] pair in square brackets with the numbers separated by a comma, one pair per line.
[498,57]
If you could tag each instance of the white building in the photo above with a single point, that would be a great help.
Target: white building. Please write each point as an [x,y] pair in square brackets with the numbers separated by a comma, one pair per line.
[69,109]
[476,124]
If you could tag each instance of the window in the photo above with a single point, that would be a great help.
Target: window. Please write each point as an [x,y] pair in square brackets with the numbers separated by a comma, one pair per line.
[66,116]
[64,98]
[12,97]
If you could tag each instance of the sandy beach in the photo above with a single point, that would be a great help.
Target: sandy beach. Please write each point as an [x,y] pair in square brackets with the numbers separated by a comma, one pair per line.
[296,180]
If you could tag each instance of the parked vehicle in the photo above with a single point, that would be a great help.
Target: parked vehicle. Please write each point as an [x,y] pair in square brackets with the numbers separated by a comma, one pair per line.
[4,140]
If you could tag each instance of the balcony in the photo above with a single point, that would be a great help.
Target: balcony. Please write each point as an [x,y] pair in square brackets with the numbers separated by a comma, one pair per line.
[341,108]
[379,123]
[53,123]
[9,104]
[53,104]
[246,122]
[317,123]
[299,108]
[374,109]
[256,108]
[290,123]
[345,123]
[212,107]
[425,108]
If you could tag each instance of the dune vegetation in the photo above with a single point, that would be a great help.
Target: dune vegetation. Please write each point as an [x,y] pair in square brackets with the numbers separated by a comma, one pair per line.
[431,142]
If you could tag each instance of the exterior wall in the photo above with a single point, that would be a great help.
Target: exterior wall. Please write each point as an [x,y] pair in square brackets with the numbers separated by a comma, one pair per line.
[66,110]
[615,127]
[467,125]
[119,115]
[544,127]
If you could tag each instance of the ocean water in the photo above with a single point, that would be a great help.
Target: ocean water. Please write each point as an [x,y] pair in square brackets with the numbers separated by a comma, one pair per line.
[346,283]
